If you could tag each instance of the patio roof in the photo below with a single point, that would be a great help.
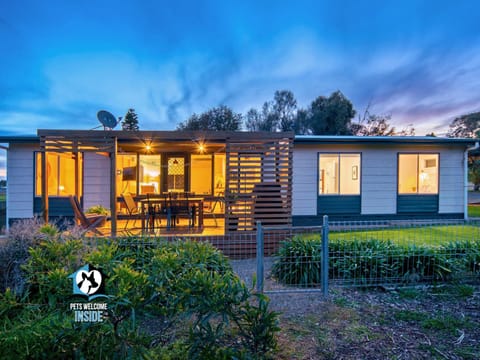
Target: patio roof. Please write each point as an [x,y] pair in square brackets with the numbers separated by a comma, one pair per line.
[252,158]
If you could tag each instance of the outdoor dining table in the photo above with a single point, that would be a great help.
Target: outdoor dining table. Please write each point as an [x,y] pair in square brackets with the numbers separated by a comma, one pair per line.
[162,205]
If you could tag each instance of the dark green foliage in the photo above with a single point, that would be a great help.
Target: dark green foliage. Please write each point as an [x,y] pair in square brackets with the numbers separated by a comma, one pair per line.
[200,308]
[220,118]
[299,262]
[330,115]
[277,115]
[373,261]
[465,126]
[474,173]
[130,121]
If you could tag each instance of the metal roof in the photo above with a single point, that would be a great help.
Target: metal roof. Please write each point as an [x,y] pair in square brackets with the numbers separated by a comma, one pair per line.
[299,139]
[332,139]
[19,139]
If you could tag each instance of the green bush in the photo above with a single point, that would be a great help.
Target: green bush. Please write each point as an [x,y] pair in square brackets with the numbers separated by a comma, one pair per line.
[199,307]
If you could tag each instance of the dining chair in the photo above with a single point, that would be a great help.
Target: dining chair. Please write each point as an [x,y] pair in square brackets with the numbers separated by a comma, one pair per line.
[133,212]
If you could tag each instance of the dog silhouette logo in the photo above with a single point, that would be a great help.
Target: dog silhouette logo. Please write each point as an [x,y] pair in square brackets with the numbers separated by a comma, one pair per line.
[88,281]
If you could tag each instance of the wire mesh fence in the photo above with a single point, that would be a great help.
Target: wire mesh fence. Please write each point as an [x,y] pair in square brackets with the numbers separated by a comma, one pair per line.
[360,253]
[375,253]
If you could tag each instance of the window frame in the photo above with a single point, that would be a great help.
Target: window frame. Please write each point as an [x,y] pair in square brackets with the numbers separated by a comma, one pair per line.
[338,153]
[38,164]
[417,193]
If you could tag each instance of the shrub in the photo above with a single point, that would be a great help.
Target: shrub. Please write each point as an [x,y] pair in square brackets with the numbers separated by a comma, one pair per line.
[21,236]
[299,262]
[374,261]
[203,309]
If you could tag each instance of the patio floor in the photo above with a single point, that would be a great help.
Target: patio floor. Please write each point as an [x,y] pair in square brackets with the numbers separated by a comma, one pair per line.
[181,229]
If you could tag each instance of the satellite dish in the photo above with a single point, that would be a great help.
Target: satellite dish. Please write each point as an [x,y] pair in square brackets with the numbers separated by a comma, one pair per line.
[107,119]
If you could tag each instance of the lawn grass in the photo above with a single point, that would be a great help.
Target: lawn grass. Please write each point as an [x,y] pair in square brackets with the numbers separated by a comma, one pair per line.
[474,211]
[427,235]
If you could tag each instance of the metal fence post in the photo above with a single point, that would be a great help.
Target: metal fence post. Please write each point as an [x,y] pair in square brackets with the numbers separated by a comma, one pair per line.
[325,256]
[259,257]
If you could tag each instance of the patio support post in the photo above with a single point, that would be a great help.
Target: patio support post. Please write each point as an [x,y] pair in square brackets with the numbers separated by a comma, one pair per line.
[113,188]
[44,186]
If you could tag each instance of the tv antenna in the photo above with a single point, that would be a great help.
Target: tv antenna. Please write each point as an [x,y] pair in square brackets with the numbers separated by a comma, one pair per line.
[107,120]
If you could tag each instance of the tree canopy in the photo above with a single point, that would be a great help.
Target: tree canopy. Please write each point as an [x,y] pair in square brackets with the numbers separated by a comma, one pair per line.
[466,126]
[377,125]
[130,121]
[330,115]
[220,118]
[276,115]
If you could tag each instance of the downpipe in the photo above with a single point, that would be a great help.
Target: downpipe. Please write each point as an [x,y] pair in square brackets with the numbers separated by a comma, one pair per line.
[465,172]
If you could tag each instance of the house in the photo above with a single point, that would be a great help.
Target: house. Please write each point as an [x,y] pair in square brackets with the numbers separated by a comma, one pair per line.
[276,178]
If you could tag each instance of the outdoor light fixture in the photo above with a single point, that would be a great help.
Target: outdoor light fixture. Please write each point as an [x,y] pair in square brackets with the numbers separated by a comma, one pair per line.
[201,148]
[148,147]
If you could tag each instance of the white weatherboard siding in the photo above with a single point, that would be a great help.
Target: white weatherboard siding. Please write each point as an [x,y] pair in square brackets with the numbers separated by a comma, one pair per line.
[20,177]
[304,181]
[96,180]
[379,176]
[379,180]
[451,181]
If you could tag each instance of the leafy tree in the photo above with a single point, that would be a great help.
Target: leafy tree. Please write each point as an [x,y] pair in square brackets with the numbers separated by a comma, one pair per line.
[474,172]
[220,118]
[254,121]
[3,183]
[377,125]
[330,115]
[130,121]
[300,125]
[285,109]
[277,115]
[466,126]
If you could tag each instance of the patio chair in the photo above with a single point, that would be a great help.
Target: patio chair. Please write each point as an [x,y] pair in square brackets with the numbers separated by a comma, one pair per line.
[209,207]
[88,222]
[179,206]
[133,213]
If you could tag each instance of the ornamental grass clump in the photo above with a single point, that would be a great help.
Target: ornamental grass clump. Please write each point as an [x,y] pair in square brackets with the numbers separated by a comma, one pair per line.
[299,262]
[372,261]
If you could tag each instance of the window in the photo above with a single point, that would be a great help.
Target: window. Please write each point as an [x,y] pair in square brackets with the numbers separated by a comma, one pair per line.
[418,174]
[60,174]
[126,174]
[339,174]
[149,174]
[176,173]
[201,174]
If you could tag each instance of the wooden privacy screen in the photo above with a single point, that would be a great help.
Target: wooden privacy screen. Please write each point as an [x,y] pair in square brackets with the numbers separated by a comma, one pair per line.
[258,183]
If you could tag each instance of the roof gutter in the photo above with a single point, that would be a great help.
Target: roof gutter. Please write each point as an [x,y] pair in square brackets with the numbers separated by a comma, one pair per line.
[3,147]
[465,175]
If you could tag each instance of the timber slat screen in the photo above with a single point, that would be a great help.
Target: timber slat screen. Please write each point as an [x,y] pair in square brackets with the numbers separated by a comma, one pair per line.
[258,183]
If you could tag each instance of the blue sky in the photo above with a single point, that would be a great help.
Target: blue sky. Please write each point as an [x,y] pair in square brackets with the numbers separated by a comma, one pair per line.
[62,61]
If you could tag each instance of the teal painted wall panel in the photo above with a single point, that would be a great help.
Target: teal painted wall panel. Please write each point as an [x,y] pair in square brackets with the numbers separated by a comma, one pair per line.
[413,204]
[338,204]
[57,206]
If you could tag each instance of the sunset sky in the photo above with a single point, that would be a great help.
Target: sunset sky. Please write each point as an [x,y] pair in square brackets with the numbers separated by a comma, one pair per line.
[62,61]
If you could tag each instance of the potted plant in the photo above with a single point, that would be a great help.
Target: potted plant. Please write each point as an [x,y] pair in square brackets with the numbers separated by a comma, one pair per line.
[98,210]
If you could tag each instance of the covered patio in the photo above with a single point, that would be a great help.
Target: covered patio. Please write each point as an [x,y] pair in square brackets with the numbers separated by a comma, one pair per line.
[181,182]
